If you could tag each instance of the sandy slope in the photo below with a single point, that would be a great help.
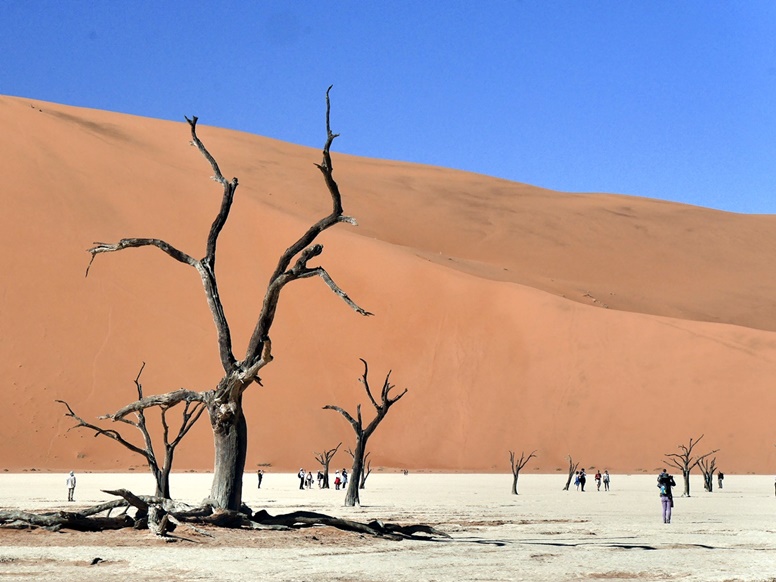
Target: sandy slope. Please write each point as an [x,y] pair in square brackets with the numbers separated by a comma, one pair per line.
[543,534]
[606,327]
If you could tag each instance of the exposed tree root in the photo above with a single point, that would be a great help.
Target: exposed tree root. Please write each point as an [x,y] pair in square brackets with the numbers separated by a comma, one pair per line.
[161,516]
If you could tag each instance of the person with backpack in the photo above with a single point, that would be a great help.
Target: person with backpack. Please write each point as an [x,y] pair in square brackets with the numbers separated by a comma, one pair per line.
[665,482]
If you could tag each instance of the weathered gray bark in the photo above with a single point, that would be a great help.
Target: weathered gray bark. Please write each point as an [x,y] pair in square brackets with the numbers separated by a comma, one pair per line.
[517,465]
[685,461]
[224,402]
[362,434]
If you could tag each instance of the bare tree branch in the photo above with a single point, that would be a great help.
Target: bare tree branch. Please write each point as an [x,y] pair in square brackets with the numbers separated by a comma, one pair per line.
[110,433]
[353,422]
[192,410]
[685,462]
[282,275]
[162,400]
[572,468]
[127,243]
[517,465]
[321,272]
[363,434]
[324,459]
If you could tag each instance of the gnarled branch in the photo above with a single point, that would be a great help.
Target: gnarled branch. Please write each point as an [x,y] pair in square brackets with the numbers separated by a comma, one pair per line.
[161,400]
[282,275]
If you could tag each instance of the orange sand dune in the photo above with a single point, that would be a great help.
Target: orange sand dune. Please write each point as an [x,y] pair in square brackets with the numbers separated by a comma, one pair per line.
[607,327]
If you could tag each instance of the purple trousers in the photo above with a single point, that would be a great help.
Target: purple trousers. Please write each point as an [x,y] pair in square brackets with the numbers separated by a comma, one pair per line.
[667,503]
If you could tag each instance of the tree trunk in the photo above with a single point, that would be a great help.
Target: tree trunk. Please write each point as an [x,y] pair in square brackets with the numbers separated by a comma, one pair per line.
[514,483]
[230,438]
[351,497]
[686,475]
[163,478]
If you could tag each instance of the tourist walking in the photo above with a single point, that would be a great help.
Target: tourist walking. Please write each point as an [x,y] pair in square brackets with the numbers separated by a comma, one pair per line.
[598,480]
[666,482]
[582,479]
[606,480]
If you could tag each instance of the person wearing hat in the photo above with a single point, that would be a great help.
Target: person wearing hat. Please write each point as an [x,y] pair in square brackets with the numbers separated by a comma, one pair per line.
[70,486]
[301,474]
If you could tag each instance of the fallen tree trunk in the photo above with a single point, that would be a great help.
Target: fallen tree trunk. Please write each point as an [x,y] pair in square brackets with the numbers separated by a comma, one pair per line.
[162,515]
[65,519]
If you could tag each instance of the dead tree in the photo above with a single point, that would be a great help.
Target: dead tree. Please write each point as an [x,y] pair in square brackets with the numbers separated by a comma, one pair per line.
[363,434]
[162,516]
[708,467]
[367,467]
[192,410]
[224,402]
[685,461]
[324,459]
[572,470]
[517,465]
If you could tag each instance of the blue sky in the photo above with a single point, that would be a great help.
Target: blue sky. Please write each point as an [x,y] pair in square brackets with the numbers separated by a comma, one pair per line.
[663,99]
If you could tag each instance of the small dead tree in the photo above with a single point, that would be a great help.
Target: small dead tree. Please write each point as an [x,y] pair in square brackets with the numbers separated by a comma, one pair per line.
[363,433]
[517,465]
[685,461]
[367,468]
[192,410]
[324,459]
[572,470]
[708,467]
[224,401]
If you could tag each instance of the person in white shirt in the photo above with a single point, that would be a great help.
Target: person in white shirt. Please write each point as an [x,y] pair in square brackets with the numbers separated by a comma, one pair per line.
[70,481]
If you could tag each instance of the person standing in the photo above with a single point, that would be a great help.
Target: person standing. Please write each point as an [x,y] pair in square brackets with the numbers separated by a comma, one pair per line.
[337,480]
[720,477]
[582,479]
[598,479]
[606,480]
[665,482]
[344,478]
[301,475]
[260,475]
[70,482]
